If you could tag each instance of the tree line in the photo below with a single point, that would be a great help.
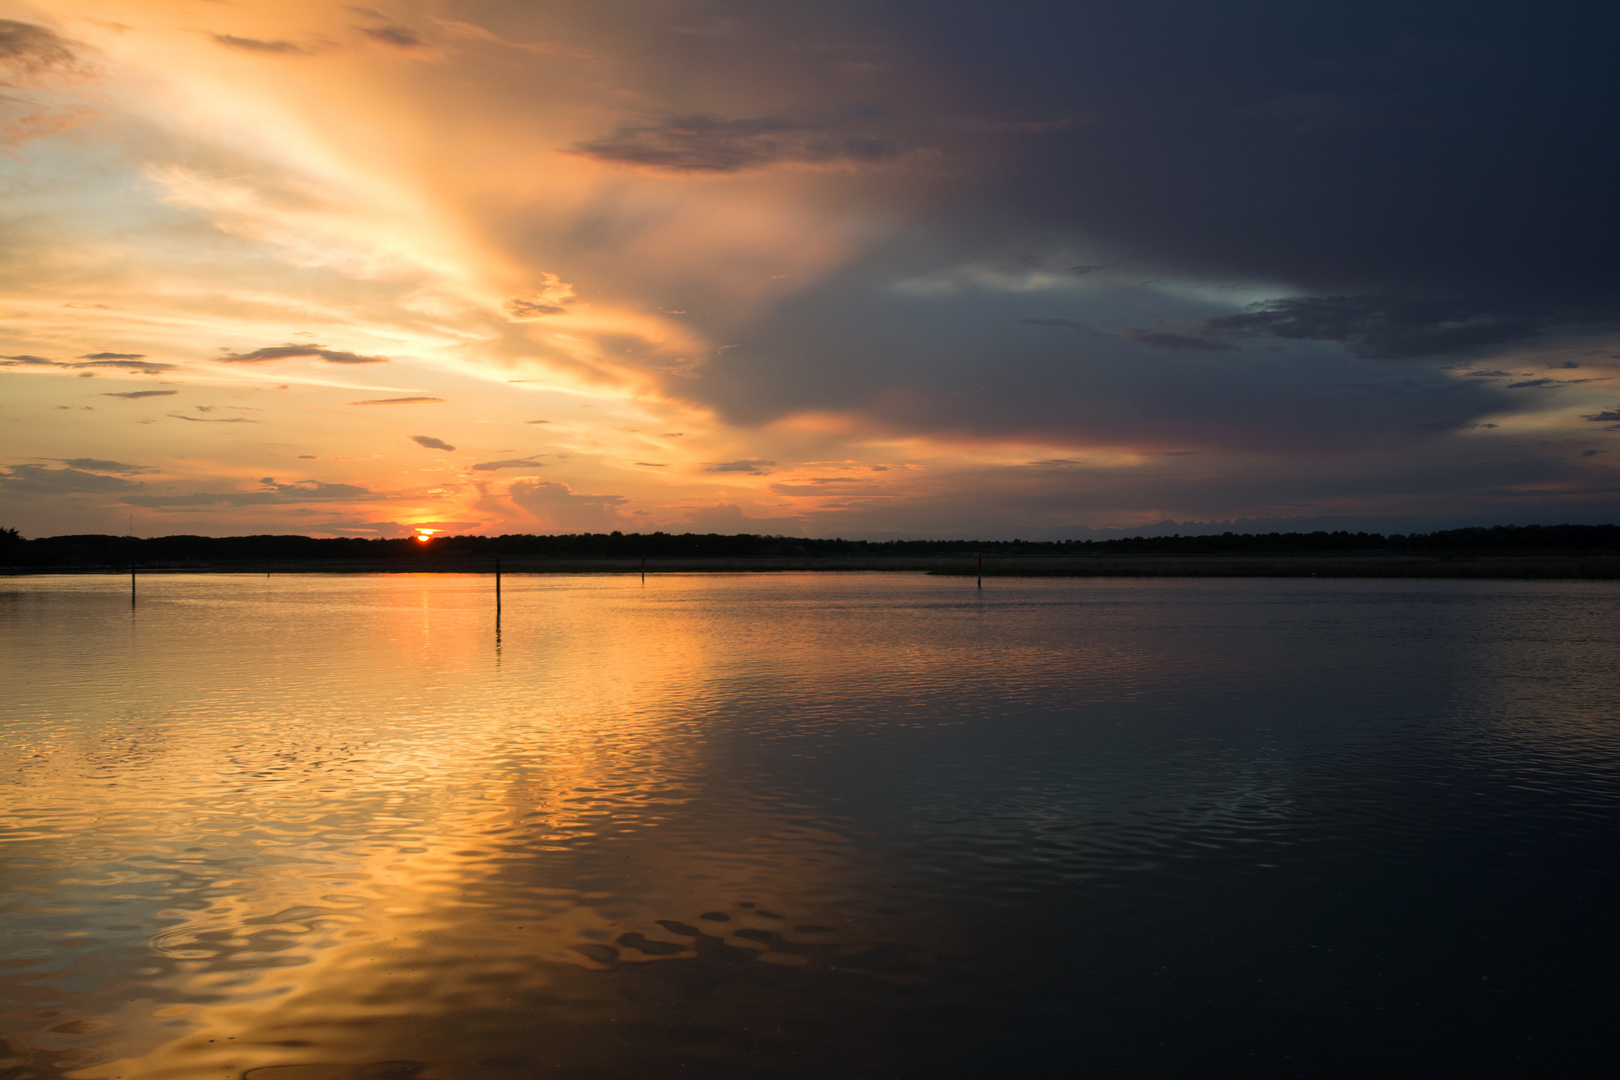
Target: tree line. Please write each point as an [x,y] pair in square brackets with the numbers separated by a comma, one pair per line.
[94,550]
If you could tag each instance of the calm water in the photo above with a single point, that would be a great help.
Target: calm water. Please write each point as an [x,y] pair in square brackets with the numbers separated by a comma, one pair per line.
[331,828]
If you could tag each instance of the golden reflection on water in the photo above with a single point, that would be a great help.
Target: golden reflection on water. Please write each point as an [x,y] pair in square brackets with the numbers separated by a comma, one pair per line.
[269,824]
[331,828]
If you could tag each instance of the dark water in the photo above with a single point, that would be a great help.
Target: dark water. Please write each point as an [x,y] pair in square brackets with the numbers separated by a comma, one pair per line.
[317,828]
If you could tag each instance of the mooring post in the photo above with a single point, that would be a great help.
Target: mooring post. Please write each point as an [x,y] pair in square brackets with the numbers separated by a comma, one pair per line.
[644,568]
[981,569]
[131,584]
[497,596]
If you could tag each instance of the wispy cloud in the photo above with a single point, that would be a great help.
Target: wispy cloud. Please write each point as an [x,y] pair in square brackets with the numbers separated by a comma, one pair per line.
[399,37]
[751,466]
[289,352]
[272,493]
[256,45]
[42,480]
[145,367]
[703,143]
[99,465]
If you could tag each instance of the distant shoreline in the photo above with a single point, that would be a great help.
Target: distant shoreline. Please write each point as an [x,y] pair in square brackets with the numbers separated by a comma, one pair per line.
[1588,552]
[1478,565]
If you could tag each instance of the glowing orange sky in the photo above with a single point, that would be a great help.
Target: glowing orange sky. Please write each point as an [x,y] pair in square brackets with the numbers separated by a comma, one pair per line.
[435,267]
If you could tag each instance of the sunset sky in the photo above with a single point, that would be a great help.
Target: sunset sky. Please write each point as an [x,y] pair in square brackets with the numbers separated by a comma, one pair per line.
[835,269]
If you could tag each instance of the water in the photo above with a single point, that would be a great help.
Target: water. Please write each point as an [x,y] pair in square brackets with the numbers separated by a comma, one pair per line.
[332,828]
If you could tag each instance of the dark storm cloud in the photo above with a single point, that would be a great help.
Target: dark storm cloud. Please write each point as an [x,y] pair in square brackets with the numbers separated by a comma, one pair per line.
[42,480]
[290,351]
[300,491]
[231,41]
[430,443]
[701,143]
[970,365]
[1394,182]
[1380,327]
[1444,149]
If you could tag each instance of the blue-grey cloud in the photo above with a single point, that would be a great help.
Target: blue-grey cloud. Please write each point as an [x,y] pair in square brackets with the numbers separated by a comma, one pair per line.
[136,395]
[401,401]
[1383,327]
[509,463]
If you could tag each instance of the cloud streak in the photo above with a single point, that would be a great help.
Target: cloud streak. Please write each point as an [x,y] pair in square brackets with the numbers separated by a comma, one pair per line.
[29,480]
[428,442]
[703,143]
[293,352]
[272,494]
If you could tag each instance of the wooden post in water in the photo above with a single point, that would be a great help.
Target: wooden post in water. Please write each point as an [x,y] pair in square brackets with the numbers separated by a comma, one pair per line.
[981,569]
[644,568]
[497,596]
[131,584]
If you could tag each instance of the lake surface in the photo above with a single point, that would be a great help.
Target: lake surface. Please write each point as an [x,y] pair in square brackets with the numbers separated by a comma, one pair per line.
[807,825]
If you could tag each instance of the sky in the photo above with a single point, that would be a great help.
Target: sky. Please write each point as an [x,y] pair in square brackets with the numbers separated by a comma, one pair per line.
[834,269]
